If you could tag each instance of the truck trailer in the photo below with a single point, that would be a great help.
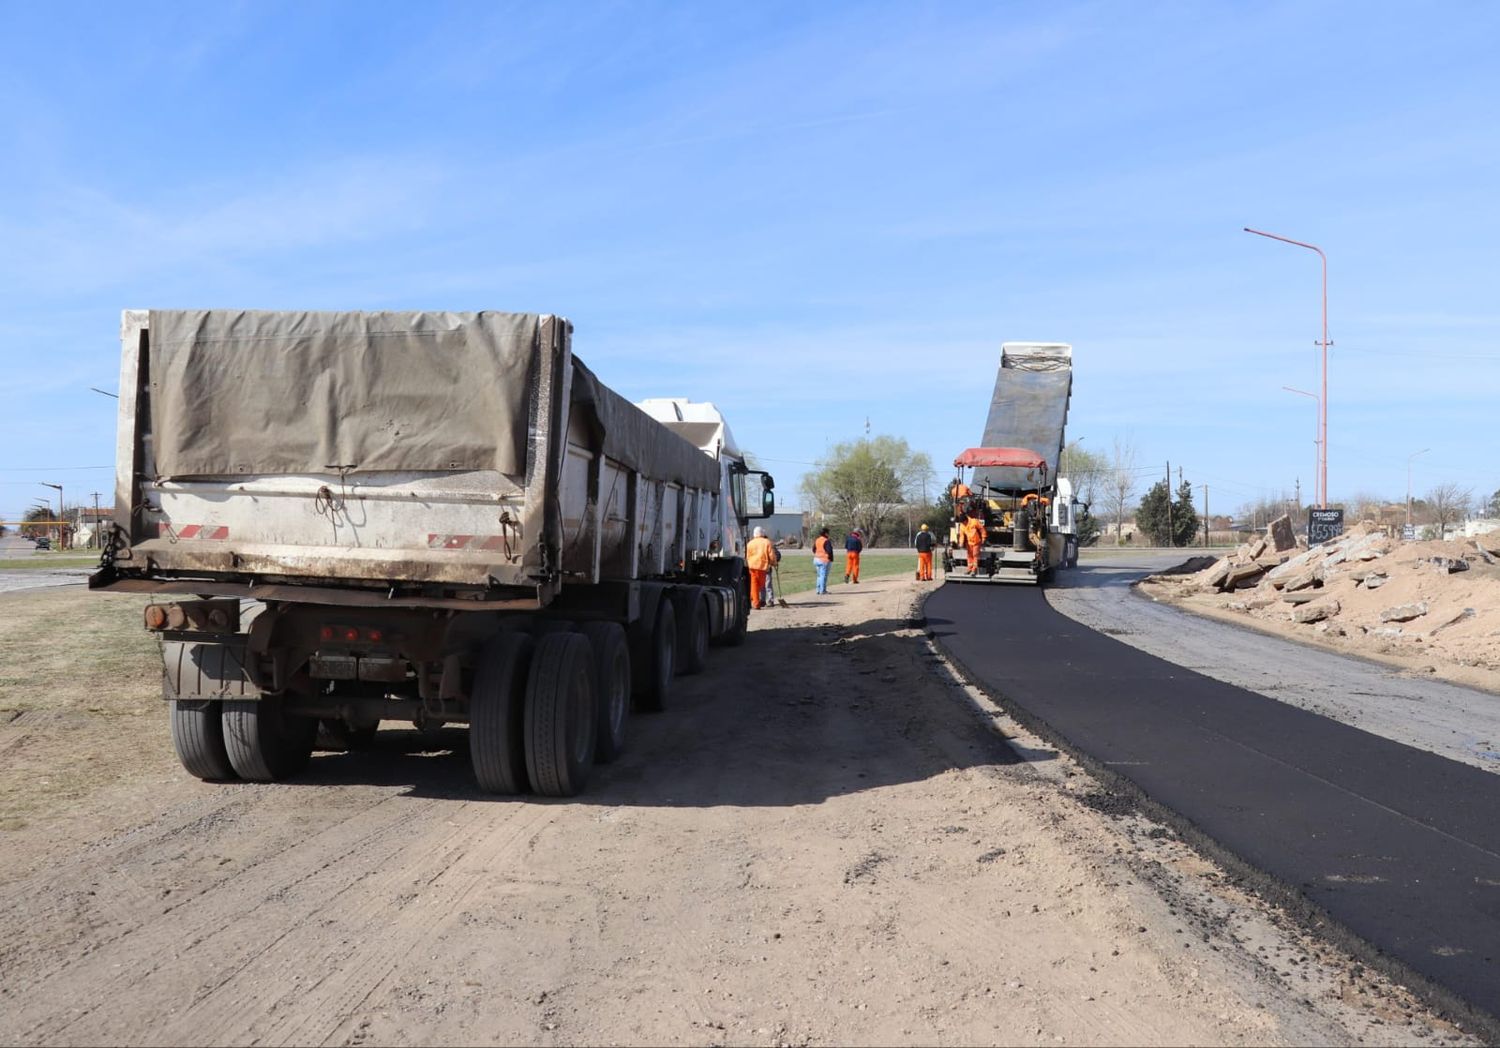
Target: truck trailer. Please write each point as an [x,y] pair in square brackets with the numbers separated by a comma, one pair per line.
[1010,485]
[441,518]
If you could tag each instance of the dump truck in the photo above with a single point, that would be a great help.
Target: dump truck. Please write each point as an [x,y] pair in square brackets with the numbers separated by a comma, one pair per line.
[1010,484]
[345,518]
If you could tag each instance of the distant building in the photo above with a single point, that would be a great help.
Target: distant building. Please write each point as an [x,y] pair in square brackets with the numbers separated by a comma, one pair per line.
[781,526]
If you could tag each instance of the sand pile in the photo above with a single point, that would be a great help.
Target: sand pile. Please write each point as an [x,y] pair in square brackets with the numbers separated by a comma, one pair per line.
[1369,592]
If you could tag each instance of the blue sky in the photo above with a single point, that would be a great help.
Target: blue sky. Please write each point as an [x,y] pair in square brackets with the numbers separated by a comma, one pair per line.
[809,214]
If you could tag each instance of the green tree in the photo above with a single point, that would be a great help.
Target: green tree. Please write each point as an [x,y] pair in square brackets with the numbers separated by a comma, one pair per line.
[1153,517]
[1087,527]
[1492,507]
[864,483]
[1092,474]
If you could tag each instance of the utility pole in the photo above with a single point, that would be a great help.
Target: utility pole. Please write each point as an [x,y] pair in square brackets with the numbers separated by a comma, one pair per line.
[1205,516]
[1170,535]
[58,488]
[94,534]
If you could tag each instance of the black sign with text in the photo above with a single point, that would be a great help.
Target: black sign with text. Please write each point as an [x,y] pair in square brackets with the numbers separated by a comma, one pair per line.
[1324,525]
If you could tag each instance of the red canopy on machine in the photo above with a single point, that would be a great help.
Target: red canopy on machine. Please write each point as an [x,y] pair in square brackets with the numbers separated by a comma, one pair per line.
[1018,458]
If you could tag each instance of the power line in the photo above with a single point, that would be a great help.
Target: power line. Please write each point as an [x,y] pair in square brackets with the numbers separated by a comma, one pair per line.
[47,469]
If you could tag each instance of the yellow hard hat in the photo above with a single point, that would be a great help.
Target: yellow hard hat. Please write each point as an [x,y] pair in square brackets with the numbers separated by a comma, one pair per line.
[924,527]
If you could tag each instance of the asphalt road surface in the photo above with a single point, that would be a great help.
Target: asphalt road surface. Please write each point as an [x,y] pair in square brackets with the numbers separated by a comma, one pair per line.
[1397,844]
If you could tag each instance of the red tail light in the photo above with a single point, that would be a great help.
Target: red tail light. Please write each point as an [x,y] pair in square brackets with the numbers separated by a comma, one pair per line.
[351,634]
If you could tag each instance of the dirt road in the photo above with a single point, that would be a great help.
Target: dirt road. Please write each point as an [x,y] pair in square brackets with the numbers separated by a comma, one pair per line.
[821,841]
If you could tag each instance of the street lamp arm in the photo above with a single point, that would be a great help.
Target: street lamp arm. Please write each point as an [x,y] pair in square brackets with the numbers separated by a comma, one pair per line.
[1289,240]
[1324,344]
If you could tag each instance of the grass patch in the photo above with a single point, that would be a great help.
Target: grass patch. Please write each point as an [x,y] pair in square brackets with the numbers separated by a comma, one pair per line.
[48,562]
[797,572]
[80,699]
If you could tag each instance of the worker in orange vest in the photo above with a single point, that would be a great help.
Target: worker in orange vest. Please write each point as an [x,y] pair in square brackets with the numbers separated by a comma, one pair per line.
[822,559]
[973,536]
[759,556]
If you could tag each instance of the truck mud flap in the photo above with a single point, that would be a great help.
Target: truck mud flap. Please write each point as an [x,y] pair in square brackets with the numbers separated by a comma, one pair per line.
[206,670]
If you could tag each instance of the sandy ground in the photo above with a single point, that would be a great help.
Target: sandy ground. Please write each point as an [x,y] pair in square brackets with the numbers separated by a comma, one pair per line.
[824,840]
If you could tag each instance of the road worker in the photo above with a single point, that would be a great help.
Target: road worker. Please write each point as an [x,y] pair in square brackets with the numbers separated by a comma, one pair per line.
[760,554]
[973,536]
[822,559]
[924,544]
[853,546]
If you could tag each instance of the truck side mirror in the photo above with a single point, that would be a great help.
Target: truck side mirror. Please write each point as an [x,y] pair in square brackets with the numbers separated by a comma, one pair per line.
[767,484]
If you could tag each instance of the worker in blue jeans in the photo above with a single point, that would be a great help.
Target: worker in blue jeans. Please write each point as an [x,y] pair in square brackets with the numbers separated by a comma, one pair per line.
[822,559]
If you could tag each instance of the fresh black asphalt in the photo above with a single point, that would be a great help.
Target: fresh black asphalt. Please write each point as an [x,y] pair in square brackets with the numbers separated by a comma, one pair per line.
[1398,845]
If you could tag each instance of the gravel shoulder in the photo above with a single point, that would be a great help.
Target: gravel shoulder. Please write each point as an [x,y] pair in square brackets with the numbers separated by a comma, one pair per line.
[1422,702]
[826,839]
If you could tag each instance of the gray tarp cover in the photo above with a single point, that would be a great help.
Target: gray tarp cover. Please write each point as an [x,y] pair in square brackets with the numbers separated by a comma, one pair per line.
[635,439]
[1029,410]
[240,391]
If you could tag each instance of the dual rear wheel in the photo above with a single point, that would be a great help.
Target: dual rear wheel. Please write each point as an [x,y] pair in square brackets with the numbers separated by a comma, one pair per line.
[257,741]
[543,711]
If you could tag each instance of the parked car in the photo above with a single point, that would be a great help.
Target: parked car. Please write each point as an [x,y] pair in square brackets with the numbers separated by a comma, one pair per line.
[44,543]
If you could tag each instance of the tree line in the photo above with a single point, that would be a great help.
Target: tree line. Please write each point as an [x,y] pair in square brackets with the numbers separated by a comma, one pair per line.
[886,490]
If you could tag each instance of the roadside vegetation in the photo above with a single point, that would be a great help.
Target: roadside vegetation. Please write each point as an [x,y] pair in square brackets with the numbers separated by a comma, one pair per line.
[80,698]
[797,571]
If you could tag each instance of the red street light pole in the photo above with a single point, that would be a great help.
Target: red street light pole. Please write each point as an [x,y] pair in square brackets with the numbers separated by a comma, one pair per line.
[1317,494]
[1323,400]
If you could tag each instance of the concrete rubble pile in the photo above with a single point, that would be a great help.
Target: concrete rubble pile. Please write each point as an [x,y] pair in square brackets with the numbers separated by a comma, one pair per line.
[1365,589]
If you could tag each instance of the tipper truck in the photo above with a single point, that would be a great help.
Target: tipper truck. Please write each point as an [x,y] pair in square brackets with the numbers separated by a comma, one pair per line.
[1013,516]
[441,518]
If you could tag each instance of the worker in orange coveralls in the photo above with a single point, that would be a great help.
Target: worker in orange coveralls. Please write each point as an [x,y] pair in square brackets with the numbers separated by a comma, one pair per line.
[759,556]
[853,546]
[972,531]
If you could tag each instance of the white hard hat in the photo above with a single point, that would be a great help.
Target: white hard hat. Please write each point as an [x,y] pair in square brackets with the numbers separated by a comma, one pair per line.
[760,532]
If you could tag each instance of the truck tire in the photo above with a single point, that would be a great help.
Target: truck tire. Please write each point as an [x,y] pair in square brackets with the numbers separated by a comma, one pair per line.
[497,747]
[611,687]
[198,738]
[560,715]
[654,675]
[692,630]
[265,743]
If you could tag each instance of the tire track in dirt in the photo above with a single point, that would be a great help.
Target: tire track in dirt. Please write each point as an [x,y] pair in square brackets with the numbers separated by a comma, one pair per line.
[234,923]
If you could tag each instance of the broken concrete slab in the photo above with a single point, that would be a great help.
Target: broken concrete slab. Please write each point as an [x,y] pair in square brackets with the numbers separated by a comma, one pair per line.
[1305,597]
[1258,547]
[1404,612]
[1279,533]
[1292,564]
[1306,579]
[1355,546]
[1240,574]
[1450,565]
[1219,573]
[1316,611]
[1376,579]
